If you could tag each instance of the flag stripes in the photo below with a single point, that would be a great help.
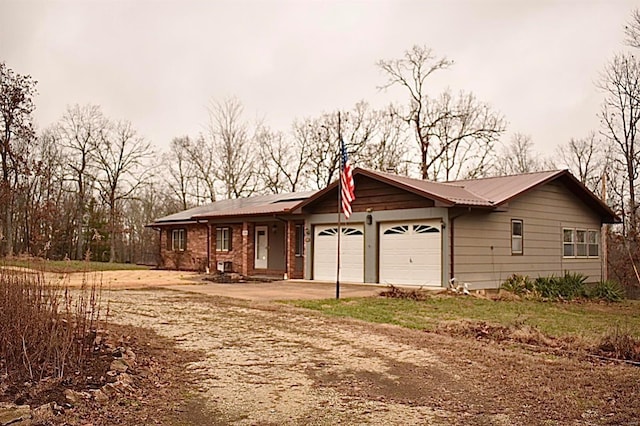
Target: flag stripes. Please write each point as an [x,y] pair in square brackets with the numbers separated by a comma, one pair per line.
[346,182]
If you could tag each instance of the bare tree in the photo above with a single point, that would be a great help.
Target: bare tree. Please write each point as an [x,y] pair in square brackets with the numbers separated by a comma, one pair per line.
[121,155]
[386,149]
[411,73]
[16,105]
[463,132]
[587,158]
[181,170]
[282,160]
[235,153]
[79,132]
[518,157]
[632,30]
[202,154]
[454,134]
[620,114]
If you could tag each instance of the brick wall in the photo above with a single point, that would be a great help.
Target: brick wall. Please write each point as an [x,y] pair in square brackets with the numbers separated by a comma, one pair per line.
[234,255]
[193,258]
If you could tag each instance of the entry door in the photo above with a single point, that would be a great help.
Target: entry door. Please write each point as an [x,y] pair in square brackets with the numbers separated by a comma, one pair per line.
[262,244]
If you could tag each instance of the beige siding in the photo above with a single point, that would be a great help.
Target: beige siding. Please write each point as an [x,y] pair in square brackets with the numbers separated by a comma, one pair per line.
[482,241]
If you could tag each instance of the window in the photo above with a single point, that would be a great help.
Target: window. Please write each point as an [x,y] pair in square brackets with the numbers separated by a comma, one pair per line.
[223,239]
[594,246]
[516,236]
[299,240]
[580,242]
[178,239]
[567,242]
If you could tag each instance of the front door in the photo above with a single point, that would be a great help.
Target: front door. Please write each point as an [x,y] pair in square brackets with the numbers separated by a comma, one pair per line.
[262,244]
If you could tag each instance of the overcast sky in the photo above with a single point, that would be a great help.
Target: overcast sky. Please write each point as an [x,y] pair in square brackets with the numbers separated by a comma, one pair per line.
[159,63]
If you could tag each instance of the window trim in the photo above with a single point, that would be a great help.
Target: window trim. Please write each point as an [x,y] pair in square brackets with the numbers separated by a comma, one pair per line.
[179,239]
[575,243]
[220,232]
[517,237]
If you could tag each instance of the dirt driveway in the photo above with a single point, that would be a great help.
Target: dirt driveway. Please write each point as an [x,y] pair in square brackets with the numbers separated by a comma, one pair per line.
[194,282]
[265,363]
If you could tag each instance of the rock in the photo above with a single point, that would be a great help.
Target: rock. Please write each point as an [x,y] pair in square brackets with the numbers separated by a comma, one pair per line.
[72,396]
[118,365]
[11,414]
[129,357]
[42,413]
[100,397]
[109,390]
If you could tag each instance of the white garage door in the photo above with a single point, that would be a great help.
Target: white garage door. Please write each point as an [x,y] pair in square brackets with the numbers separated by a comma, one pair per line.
[410,253]
[325,246]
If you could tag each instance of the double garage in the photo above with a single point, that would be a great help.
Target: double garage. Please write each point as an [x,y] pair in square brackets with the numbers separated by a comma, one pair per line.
[408,253]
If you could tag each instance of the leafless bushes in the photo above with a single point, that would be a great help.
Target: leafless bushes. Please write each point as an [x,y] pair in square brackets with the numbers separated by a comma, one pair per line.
[46,330]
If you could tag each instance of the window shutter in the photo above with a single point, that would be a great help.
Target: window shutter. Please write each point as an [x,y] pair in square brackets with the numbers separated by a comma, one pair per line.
[230,238]
[169,238]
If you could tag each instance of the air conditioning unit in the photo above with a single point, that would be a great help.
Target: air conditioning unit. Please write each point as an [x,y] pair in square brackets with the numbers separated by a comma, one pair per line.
[220,266]
[228,267]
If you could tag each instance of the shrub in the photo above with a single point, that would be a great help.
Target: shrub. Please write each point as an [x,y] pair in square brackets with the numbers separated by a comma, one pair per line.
[44,331]
[619,344]
[608,290]
[518,284]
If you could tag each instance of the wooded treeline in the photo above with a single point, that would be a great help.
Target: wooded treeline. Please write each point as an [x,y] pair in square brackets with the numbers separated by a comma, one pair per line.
[87,185]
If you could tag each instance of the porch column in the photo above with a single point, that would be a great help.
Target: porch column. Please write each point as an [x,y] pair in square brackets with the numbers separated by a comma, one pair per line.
[246,252]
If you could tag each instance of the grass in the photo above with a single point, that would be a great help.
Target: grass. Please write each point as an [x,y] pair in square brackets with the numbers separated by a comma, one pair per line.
[67,266]
[588,320]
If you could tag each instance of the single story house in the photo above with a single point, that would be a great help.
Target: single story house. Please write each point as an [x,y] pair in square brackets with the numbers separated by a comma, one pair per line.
[403,231]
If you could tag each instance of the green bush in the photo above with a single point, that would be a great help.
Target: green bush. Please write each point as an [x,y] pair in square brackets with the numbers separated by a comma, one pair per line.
[518,284]
[568,287]
[608,290]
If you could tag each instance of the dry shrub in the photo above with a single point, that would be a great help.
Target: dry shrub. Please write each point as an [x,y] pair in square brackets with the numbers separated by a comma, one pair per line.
[45,331]
[399,293]
[619,344]
[517,332]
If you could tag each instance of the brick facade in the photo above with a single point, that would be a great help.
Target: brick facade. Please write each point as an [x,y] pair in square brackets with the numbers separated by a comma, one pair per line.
[241,255]
[193,257]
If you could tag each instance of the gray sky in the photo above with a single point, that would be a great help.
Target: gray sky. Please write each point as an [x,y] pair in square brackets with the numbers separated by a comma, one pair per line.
[159,63]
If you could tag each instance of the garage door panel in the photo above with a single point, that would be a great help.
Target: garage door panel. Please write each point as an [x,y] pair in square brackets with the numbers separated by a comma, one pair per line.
[351,253]
[410,253]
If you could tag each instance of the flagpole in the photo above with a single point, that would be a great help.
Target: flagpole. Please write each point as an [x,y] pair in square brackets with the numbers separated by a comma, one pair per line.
[339,209]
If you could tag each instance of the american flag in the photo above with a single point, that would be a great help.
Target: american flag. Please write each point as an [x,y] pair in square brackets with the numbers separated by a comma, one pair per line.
[346,182]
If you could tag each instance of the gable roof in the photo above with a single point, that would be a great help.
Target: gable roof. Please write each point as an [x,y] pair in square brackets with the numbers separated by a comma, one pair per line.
[251,206]
[488,193]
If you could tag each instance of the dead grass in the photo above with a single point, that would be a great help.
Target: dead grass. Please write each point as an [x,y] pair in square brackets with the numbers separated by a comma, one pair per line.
[66,266]
[45,332]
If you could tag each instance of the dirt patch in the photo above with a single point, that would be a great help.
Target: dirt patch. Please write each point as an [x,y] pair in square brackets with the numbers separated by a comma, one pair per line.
[263,363]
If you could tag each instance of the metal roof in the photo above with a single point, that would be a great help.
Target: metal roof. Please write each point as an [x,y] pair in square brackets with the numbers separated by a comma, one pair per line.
[479,193]
[263,204]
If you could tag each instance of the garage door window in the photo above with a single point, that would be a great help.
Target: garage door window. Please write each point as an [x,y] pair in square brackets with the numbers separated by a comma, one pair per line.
[424,229]
[398,230]
[334,231]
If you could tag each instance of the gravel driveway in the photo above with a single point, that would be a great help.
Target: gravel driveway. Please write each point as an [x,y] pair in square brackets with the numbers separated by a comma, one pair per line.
[264,363]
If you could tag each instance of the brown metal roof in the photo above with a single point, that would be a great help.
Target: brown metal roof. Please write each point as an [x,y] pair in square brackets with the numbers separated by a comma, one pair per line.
[476,193]
[484,192]
[250,206]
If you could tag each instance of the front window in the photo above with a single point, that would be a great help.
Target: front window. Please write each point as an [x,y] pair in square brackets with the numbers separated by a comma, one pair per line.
[299,240]
[223,239]
[580,242]
[516,236]
[594,243]
[178,239]
[567,241]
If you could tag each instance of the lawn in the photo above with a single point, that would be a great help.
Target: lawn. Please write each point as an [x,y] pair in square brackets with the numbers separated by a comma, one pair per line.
[67,266]
[587,320]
